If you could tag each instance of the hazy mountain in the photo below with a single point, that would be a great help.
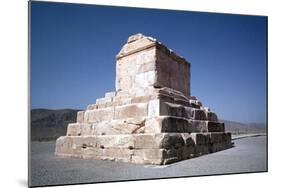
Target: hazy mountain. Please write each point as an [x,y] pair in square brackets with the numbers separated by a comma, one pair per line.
[50,124]
[241,128]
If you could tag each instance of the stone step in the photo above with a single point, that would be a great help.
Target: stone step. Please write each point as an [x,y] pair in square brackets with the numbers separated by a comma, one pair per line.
[178,110]
[159,124]
[178,124]
[147,141]
[112,127]
[160,148]
[116,112]
[144,106]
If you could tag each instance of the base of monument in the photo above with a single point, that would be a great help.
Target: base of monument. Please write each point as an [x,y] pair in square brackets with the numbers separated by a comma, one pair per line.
[157,149]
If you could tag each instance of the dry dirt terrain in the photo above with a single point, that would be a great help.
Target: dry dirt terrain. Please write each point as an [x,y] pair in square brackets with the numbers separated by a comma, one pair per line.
[248,155]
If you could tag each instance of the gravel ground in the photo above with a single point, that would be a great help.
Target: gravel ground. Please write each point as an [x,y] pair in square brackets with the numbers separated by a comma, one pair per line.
[248,155]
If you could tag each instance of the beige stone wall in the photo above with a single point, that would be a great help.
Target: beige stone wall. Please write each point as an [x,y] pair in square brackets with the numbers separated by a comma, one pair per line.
[145,63]
[136,70]
[172,72]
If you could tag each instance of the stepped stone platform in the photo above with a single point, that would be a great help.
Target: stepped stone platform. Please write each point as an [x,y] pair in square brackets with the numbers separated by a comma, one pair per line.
[151,118]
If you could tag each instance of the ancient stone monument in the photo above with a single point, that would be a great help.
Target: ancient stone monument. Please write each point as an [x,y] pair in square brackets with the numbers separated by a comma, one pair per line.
[150,118]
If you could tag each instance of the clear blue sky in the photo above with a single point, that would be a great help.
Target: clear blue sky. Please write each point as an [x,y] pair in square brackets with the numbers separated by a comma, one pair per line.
[73,50]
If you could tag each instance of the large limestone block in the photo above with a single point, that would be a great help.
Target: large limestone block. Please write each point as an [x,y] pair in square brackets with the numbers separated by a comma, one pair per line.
[144,79]
[206,126]
[159,107]
[104,100]
[69,146]
[129,66]
[179,110]
[149,154]
[141,91]
[154,108]
[187,152]
[63,144]
[215,126]
[73,129]
[97,115]
[199,138]
[220,137]
[91,153]
[172,72]
[110,94]
[122,155]
[173,124]
[131,110]
[212,116]
[139,159]
[80,117]
[201,150]
[166,124]
[199,114]
[123,126]
[149,66]
[116,141]
[86,129]
[160,140]
[130,126]
[143,99]
[188,140]
[103,128]
[198,126]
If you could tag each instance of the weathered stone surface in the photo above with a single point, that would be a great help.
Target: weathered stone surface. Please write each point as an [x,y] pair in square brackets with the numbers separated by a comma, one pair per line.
[97,115]
[215,126]
[198,126]
[199,114]
[163,124]
[74,129]
[110,94]
[80,117]
[149,141]
[174,124]
[150,118]
[199,138]
[128,68]
[127,126]
[86,129]
[131,110]
[212,116]
[116,141]
[103,100]
[172,73]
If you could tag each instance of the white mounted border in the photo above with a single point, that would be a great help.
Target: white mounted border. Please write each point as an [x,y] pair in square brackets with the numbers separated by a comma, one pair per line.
[14,98]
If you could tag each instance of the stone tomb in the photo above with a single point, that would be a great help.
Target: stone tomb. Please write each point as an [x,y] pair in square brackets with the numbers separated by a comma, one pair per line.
[150,118]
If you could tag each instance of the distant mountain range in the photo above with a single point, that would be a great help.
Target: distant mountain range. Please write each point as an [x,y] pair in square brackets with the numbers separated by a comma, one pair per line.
[242,128]
[50,124]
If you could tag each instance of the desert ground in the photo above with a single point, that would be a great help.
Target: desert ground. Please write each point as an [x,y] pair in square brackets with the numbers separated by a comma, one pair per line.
[249,154]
